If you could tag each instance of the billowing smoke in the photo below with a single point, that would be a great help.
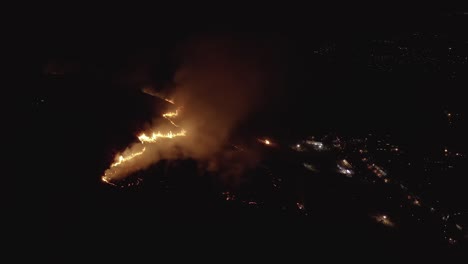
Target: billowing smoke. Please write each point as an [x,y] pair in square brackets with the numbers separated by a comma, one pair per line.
[219,83]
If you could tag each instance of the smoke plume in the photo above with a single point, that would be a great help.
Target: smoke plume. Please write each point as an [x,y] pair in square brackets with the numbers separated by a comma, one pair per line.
[219,83]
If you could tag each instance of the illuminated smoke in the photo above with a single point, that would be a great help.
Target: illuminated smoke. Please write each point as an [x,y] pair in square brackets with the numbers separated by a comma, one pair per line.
[218,84]
[133,159]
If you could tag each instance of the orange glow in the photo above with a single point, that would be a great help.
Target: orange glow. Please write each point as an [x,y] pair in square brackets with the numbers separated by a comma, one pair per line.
[107,180]
[123,159]
[171,114]
[266,142]
[155,136]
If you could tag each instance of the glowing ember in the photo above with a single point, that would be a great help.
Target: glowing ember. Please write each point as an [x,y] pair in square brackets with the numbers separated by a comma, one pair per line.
[265,141]
[171,114]
[383,219]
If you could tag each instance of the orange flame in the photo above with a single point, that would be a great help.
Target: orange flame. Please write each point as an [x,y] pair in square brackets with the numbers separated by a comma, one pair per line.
[107,180]
[120,160]
[171,114]
[123,159]
[155,136]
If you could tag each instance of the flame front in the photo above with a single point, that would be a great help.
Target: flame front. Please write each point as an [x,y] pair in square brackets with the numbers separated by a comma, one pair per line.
[171,114]
[121,160]
[155,136]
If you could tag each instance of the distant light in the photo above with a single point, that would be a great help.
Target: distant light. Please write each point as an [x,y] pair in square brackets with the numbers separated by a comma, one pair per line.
[265,141]
[300,206]
[298,145]
[383,219]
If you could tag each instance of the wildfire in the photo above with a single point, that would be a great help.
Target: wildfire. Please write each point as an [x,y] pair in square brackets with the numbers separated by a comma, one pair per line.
[123,159]
[120,160]
[171,114]
[155,136]
[107,180]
